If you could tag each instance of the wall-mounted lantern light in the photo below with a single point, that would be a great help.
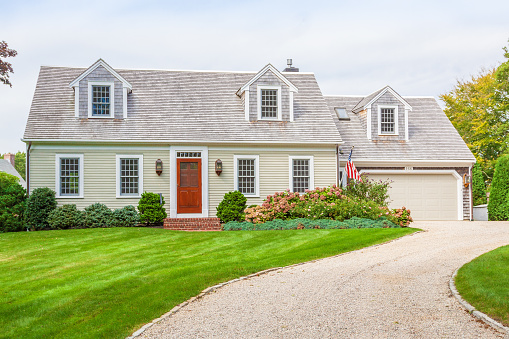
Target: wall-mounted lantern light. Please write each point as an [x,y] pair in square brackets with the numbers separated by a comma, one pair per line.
[219,166]
[159,166]
[467,180]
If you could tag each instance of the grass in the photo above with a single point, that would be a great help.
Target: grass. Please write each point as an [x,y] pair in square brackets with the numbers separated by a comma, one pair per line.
[484,283]
[108,282]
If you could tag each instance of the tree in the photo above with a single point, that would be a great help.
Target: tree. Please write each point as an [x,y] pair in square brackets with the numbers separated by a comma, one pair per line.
[6,67]
[478,186]
[478,108]
[498,206]
[19,163]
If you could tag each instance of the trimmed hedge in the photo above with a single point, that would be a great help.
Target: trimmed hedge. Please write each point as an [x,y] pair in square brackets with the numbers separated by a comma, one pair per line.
[12,203]
[151,211]
[126,216]
[302,223]
[498,207]
[478,186]
[39,205]
[232,207]
[98,215]
[66,216]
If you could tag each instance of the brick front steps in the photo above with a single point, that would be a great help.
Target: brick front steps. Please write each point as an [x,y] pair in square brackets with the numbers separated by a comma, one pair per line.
[192,224]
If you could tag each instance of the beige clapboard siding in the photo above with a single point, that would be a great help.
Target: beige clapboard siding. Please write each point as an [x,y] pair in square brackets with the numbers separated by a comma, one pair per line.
[274,172]
[100,175]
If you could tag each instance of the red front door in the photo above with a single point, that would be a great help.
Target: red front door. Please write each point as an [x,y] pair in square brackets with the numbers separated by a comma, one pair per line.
[188,185]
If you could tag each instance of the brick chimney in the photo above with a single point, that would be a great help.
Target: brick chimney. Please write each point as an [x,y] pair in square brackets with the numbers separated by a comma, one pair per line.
[10,157]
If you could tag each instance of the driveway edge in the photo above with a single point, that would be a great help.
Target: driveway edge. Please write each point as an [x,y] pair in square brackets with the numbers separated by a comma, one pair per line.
[472,310]
[211,289]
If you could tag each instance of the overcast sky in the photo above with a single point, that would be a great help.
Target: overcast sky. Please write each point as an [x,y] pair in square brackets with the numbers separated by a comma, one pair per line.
[353,47]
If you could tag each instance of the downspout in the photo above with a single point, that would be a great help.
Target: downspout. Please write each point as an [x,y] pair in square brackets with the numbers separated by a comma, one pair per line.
[470,193]
[27,165]
[337,166]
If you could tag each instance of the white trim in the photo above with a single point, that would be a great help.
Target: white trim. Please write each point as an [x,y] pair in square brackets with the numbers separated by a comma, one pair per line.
[204,181]
[124,102]
[274,149]
[256,158]
[259,101]
[112,99]
[406,125]
[291,106]
[264,70]
[77,147]
[291,158]
[102,63]
[396,113]
[198,142]
[368,123]
[140,174]
[246,105]
[382,92]
[58,156]
[363,162]
[459,182]
[343,182]
[77,101]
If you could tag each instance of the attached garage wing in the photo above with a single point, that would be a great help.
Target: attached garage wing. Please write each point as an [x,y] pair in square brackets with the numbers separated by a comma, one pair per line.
[429,196]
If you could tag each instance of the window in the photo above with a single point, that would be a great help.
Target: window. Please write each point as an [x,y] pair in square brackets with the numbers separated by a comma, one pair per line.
[269,102]
[301,173]
[388,120]
[341,113]
[188,154]
[69,175]
[246,175]
[101,102]
[129,176]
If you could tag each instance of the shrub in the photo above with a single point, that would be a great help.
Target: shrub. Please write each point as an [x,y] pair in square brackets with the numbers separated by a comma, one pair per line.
[66,216]
[232,207]
[39,205]
[400,216]
[12,203]
[303,223]
[98,215]
[498,206]
[369,190]
[478,186]
[126,216]
[151,212]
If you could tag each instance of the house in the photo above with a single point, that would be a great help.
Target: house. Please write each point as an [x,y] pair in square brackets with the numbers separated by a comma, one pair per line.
[107,135]
[7,166]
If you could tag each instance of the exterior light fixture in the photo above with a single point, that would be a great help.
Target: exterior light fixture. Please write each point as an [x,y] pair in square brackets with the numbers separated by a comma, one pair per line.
[159,166]
[219,166]
[467,180]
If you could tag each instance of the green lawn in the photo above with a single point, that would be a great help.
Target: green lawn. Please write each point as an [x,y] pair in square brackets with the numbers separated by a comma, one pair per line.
[108,282]
[484,283]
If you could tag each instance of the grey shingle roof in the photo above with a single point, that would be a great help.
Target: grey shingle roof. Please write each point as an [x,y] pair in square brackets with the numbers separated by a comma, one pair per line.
[175,106]
[431,135]
[5,166]
[363,101]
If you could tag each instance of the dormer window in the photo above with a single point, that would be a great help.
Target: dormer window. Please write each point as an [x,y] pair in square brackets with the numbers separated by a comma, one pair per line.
[101,99]
[388,120]
[269,102]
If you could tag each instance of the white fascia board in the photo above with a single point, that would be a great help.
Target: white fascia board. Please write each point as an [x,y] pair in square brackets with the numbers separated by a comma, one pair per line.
[76,101]
[246,104]
[188,142]
[359,162]
[102,63]
[385,90]
[124,102]
[264,70]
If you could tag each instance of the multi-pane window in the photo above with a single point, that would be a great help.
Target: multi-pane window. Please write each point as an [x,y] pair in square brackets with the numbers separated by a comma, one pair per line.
[188,154]
[300,174]
[387,121]
[246,176]
[69,177]
[269,103]
[100,100]
[129,176]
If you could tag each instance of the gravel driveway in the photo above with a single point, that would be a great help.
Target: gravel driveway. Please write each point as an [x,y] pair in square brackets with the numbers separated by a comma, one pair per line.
[395,290]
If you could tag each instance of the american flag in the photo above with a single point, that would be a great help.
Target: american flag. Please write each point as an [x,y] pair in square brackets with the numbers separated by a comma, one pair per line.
[351,171]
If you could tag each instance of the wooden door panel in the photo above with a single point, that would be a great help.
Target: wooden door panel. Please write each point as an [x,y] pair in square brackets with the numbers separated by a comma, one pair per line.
[189,186]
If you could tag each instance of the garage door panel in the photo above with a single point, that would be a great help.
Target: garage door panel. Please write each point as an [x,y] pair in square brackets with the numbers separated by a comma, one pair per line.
[428,196]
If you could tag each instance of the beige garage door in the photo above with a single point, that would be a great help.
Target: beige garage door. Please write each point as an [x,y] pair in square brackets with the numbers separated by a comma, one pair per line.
[428,196]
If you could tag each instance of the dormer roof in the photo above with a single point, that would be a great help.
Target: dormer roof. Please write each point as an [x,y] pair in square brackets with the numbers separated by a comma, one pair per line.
[102,63]
[367,101]
[264,70]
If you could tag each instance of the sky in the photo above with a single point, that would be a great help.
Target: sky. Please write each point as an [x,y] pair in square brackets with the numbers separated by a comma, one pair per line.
[354,47]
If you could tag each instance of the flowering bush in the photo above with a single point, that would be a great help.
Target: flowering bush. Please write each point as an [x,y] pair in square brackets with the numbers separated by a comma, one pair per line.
[328,203]
[368,189]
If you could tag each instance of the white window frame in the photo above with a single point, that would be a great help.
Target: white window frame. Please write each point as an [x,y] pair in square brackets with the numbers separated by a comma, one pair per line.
[140,174]
[395,107]
[256,159]
[291,158]
[259,96]
[58,156]
[112,98]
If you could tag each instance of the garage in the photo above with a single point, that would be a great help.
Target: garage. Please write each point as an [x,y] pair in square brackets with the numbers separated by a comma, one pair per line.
[429,196]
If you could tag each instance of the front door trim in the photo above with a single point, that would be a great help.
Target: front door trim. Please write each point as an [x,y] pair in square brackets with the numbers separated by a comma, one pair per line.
[204,181]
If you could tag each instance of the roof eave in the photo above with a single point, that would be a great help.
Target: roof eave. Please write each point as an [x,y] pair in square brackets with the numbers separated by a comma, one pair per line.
[102,63]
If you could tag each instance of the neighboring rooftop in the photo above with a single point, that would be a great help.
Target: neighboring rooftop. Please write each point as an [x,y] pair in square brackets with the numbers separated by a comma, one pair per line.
[5,166]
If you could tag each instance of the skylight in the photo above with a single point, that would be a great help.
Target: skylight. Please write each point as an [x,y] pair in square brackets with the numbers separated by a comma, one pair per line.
[341,113]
